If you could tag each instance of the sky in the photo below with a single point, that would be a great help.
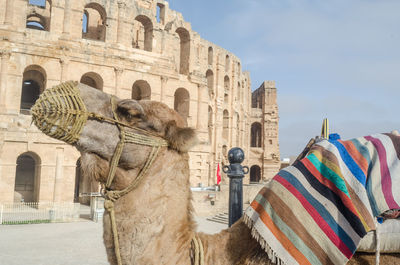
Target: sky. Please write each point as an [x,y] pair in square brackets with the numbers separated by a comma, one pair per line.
[337,59]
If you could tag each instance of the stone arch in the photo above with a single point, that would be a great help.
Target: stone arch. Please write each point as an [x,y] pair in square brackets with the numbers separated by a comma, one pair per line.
[256,135]
[92,79]
[184,56]
[182,102]
[33,84]
[210,83]
[39,15]
[255,174]
[226,89]
[210,123]
[141,90]
[225,125]
[143,33]
[210,55]
[94,22]
[27,178]
[227,62]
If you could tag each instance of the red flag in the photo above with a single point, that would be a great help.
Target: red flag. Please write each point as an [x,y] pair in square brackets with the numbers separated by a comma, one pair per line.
[218,175]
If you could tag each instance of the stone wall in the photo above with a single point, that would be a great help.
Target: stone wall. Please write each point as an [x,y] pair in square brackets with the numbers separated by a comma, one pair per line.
[123,48]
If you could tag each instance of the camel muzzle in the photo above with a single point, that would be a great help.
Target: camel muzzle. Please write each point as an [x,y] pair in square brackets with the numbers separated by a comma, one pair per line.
[60,112]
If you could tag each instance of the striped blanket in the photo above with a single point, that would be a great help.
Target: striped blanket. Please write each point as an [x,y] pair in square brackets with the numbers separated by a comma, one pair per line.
[317,210]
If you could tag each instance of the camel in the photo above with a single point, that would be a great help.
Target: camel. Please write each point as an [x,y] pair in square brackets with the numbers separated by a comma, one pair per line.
[154,220]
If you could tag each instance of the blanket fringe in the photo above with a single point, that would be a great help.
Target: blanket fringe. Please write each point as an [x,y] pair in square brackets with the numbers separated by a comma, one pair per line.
[264,245]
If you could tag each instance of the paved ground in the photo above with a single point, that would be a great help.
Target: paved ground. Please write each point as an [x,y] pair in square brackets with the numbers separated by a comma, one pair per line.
[62,243]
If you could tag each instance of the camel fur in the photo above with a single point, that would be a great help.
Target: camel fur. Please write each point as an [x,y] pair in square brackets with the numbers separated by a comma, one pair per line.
[155,221]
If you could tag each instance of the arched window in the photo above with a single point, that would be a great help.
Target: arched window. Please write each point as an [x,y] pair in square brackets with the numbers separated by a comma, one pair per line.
[181,102]
[184,37]
[39,15]
[160,13]
[210,124]
[210,55]
[210,83]
[238,68]
[33,83]
[256,134]
[92,79]
[94,22]
[255,174]
[141,90]
[227,63]
[225,126]
[226,89]
[143,33]
[27,178]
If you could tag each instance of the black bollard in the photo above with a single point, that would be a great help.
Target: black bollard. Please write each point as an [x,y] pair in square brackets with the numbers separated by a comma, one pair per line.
[235,173]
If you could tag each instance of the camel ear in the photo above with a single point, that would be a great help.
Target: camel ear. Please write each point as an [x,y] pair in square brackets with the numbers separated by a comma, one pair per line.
[131,109]
[180,139]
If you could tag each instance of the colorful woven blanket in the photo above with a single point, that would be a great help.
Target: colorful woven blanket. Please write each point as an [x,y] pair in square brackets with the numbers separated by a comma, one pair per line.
[317,210]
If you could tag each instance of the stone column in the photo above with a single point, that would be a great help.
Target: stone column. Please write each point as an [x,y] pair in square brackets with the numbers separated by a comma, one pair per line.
[120,30]
[201,108]
[9,15]
[67,17]
[118,72]
[58,185]
[64,62]
[5,56]
[164,80]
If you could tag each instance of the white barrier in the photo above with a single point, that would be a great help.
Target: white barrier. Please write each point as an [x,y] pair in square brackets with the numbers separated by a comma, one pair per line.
[38,212]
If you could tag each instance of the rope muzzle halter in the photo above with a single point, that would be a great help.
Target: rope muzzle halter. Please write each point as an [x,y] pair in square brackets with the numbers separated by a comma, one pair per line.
[61,113]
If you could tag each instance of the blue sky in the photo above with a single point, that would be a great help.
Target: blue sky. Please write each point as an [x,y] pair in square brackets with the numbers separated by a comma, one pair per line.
[338,59]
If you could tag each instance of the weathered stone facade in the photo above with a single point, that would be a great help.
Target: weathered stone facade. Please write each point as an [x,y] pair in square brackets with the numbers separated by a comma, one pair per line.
[133,49]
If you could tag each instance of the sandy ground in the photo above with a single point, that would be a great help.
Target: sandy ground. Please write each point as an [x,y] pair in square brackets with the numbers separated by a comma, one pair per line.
[62,243]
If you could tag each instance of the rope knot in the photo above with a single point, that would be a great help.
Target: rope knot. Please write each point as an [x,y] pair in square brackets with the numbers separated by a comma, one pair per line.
[113,195]
[108,205]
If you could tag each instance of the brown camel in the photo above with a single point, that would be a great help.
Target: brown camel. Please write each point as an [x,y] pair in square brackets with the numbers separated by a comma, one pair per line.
[155,220]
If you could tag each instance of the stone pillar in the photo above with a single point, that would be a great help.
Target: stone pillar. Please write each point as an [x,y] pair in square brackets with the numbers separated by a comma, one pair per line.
[9,15]
[120,30]
[202,108]
[67,17]
[5,56]
[164,80]
[118,72]
[58,185]
[64,62]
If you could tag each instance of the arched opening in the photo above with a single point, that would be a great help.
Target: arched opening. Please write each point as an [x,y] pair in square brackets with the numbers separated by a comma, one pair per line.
[226,89]
[33,83]
[225,126]
[181,102]
[256,135]
[238,69]
[141,90]
[210,83]
[143,33]
[92,79]
[39,15]
[27,178]
[255,174]
[184,37]
[227,63]
[210,124]
[94,22]
[83,184]
[210,55]
[160,13]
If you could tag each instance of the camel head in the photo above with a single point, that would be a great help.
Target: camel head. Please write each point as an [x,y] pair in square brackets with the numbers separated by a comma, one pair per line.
[86,118]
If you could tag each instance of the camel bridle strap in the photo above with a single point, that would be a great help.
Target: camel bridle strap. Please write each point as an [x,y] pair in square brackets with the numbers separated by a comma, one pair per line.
[197,255]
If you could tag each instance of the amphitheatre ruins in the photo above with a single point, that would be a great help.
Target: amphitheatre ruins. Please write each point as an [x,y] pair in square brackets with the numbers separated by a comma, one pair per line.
[132,49]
